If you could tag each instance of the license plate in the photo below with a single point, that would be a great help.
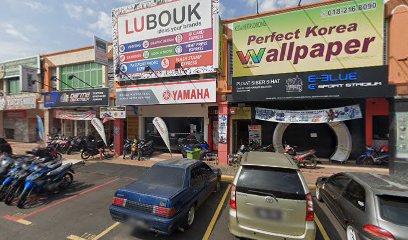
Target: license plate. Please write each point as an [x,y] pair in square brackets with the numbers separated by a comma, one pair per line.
[270,214]
[139,223]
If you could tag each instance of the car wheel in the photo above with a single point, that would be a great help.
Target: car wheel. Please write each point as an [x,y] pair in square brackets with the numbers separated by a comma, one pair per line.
[190,218]
[351,233]
[318,196]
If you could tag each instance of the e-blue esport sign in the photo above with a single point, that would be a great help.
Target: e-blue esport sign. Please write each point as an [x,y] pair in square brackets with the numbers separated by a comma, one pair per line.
[341,83]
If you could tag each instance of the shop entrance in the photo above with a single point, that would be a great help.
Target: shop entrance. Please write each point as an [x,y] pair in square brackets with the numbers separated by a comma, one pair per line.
[311,136]
[241,131]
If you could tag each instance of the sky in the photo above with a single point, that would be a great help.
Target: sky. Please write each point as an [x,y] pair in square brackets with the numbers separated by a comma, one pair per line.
[32,27]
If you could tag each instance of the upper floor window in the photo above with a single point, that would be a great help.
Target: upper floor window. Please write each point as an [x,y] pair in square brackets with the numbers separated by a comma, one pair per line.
[13,86]
[90,73]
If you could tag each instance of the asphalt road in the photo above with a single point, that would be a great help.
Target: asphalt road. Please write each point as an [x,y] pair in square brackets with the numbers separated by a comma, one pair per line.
[82,211]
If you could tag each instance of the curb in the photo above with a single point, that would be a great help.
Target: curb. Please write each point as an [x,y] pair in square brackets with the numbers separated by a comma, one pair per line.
[229,178]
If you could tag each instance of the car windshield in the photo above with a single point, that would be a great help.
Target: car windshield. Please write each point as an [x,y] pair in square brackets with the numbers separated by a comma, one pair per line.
[167,176]
[281,182]
[394,209]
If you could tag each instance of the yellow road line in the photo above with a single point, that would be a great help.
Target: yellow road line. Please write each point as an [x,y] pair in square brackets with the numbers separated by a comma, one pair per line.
[73,237]
[216,214]
[312,187]
[106,231]
[25,222]
[321,228]
[227,178]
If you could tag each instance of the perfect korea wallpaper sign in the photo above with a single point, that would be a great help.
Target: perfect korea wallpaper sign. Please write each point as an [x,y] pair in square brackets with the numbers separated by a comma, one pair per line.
[337,36]
[160,34]
[77,98]
[197,91]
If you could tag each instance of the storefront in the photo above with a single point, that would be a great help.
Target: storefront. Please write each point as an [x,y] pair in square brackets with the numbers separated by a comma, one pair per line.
[312,87]
[172,75]
[72,111]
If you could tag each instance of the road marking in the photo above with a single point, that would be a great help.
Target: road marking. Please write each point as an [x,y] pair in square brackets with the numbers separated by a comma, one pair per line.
[73,237]
[216,214]
[106,231]
[227,178]
[16,219]
[321,228]
[22,221]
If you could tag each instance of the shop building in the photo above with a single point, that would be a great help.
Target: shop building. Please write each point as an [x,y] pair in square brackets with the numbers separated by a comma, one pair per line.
[18,108]
[302,84]
[172,75]
[75,89]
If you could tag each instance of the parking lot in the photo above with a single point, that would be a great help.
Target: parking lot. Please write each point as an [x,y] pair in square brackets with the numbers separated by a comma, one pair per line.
[82,212]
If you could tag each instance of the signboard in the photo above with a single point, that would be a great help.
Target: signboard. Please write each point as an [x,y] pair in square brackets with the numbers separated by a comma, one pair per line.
[255,133]
[77,98]
[74,115]
[19,114]
[336,36]
[160,34]
[309,116]
[222,128]
[345,83]
[241,113]
[197,91]
[12,68]
[112,112]
[402,135]
[23,101]
[101,51]
[28,78]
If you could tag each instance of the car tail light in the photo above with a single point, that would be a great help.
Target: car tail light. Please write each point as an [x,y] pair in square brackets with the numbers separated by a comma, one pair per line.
[378,232]
[165,212]
[233,199]
[121,202]
[309,208]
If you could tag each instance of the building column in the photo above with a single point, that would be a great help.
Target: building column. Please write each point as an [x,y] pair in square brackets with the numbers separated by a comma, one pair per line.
[118,135]
[1,125]
[48,123]
[398,132]
[223,148]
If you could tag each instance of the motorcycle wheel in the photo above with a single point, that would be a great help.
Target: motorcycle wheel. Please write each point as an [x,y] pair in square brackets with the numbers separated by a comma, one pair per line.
[139,155]
[310,162]
[361,160]
[132,156]
[67,180]
[58,157]
[12,192]
[368,161]
[23,198]
[85,155]
[69,150]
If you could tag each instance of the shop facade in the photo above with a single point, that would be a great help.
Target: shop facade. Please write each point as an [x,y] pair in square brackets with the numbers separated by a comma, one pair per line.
[18,109]
[76,88]
[172,75]
[306,86]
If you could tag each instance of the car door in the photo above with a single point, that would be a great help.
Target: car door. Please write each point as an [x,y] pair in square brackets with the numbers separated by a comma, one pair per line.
[354,204]
[332,191]
[210,178]
[197,183]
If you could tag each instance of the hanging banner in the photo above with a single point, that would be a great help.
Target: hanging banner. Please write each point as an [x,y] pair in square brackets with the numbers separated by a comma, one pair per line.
[40,126]
[112,112]
[28,78]
[75,115]
[19,101]
[160,34]
[98,125]
[222,128]
[162,129]
[255,133]
[309,116]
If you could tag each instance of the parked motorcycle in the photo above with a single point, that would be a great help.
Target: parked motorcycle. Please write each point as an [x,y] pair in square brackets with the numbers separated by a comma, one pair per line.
[49,178]
[6,163]
[306,159]
[127,148]
[373,156]
[141,149]
[76,145]
[235,159]
[92,148]
[46,152]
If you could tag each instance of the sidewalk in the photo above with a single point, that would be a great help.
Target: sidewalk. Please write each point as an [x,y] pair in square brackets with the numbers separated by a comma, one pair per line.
[324,169]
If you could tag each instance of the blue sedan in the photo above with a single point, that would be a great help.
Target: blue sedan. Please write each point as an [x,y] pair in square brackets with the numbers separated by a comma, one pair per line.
[167,196]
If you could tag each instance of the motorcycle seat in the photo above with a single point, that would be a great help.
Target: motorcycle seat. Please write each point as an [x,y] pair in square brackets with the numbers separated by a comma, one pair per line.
[54,165]
[59,169]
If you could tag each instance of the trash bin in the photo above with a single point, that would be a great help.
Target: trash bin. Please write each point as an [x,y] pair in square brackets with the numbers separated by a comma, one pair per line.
[194,153]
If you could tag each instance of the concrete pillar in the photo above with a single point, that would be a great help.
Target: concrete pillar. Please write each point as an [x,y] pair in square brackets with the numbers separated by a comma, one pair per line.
[223,148]
[118,135]
[398,138]
[47,124]
[2,134]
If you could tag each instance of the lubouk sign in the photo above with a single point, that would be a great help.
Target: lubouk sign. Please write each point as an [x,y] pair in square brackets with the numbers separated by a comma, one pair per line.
[160,34]
[333,50]
[77,98]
